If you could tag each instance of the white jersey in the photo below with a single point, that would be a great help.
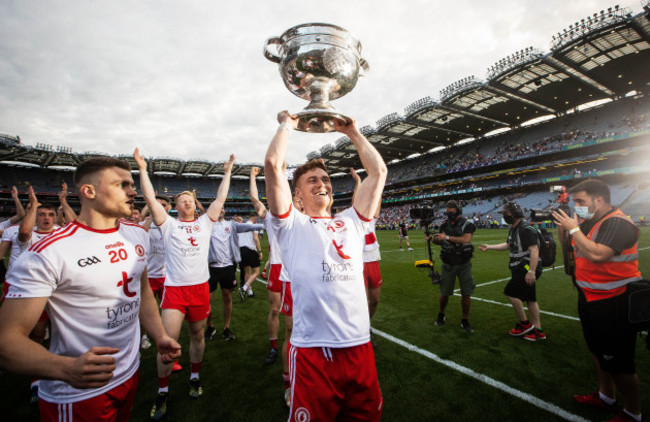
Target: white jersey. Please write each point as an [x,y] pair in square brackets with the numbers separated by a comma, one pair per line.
[274,249]
[11,235]
[246,240]
[156,262]
[92,281]
[324,262]
[36,236]
[5,224]
[187,244]
[371,245]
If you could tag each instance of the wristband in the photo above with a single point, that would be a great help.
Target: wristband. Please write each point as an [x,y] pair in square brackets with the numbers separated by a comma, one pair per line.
[574,230]
[285,127]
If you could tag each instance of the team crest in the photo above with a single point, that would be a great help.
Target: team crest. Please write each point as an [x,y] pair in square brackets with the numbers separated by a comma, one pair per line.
[302,415]
[338,224]
[197,228]
[139,249]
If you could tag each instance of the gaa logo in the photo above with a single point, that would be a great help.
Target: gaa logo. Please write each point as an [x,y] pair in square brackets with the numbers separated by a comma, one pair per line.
[84,262]
[139,249]
[302,415]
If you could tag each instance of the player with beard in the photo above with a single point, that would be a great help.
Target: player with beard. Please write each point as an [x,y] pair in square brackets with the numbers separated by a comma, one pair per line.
[91,277]
[331,360]
[186,294]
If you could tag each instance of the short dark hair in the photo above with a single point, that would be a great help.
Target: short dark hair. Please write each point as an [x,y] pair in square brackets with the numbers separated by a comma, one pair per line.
[48,206]
[593,188]
[453,204]
[309,165]
[164,198]
[95,165]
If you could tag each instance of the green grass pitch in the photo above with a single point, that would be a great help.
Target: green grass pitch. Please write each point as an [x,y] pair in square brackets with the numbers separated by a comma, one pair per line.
[426,372]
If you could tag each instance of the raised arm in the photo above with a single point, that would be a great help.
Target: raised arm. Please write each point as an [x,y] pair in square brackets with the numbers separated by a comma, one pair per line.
[222,194]
[157,211]
[260,209]
[278,192]
[68,212]
[20,211]
[370,190]
[27,225]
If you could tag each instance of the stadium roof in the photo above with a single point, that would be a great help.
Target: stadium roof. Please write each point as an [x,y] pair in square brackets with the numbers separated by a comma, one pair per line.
[604,56]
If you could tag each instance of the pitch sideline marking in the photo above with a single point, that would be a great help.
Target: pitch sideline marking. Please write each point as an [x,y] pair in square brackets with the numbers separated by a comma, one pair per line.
[549,407]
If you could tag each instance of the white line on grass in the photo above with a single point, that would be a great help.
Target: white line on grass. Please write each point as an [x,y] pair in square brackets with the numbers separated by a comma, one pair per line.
[549,407]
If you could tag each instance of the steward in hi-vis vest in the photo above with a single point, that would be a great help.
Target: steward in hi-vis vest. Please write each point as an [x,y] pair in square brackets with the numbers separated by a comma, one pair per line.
[605,242]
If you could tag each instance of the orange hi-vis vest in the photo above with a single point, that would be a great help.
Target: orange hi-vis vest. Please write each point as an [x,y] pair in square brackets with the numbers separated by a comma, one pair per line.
[607,279]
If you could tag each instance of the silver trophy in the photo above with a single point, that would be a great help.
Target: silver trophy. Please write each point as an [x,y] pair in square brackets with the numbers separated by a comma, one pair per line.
[318,62]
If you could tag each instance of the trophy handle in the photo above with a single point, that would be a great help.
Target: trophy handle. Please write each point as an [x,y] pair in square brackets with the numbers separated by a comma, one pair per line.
[365,67]
[269,55]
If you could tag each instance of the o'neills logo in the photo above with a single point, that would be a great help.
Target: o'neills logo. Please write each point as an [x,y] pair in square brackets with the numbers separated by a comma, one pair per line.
[122,314]
[114,245]
[335,271]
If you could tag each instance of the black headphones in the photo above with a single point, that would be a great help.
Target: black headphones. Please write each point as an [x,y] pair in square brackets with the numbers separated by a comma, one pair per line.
[515,209]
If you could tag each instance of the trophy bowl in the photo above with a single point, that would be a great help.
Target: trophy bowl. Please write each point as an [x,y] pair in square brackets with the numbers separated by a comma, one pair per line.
[318,62]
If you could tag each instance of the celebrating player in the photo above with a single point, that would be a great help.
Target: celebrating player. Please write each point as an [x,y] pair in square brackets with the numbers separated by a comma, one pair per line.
[91,277]
[331,360]
[186,295]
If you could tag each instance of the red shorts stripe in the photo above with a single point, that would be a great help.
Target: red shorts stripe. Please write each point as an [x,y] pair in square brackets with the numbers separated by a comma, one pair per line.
[274,284]
[287,299]
[193,301]
[372,274]
[114,405]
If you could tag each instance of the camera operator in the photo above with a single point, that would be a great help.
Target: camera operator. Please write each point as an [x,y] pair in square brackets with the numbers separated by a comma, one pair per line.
[606,260]
[526,268]
[455,238]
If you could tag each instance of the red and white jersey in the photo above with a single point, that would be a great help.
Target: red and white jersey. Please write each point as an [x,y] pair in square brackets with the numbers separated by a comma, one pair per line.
[274,249]
[36,236]
[187,244]
[371,245]
[156,262]
[92,281]
[323,259]
[11,235]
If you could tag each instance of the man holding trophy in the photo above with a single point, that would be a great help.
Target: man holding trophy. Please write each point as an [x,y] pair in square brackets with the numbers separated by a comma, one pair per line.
[331,360]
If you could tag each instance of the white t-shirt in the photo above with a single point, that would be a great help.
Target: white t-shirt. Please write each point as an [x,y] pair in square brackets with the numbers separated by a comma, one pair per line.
[92,281]
[220,253]
[246,240]
[371,245]
[156,261]
[187,244]
[274,249]
[324,262]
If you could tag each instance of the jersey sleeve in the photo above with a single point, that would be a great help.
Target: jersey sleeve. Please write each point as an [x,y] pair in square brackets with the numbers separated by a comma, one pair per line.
[470,227]
[165,227]
[32,276]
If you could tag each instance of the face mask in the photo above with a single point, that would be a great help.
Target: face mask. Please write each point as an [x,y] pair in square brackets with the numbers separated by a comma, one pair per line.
[583,212]
[509,219]
[451,215]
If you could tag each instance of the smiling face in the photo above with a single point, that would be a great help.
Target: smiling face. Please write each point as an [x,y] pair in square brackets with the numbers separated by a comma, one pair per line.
[185,206]
[314,189]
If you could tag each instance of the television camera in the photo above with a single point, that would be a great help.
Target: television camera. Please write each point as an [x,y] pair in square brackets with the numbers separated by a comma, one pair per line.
[562,201]
[426,214]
